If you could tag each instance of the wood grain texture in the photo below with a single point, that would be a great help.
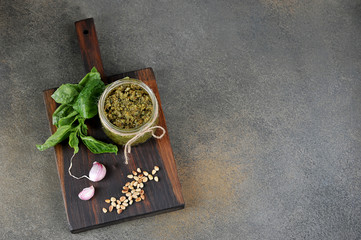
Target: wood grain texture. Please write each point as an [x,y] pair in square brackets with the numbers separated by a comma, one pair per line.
[162,196]
[89,47]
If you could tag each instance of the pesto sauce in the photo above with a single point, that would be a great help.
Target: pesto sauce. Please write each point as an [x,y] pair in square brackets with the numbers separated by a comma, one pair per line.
[128,106]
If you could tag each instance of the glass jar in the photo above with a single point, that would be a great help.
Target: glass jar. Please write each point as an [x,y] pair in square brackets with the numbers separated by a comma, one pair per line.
[122,136]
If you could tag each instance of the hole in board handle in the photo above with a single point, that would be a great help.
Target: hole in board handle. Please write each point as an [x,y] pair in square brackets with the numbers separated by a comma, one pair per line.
[85,32]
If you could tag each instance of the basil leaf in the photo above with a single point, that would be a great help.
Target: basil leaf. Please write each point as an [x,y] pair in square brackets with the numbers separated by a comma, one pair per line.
[93,74]
[61,134]
[66,93]
[96,146]
[86,102]
[74,141]
[68,120]
[61,112]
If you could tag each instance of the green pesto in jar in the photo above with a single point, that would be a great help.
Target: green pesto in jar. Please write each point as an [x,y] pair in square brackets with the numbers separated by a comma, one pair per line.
[128,106]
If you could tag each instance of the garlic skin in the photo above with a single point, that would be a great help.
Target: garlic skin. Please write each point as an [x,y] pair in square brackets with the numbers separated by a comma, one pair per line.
[97,172]
[87,193]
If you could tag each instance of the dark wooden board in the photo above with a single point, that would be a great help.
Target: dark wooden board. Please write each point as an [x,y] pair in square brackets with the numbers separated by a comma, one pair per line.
[161,196]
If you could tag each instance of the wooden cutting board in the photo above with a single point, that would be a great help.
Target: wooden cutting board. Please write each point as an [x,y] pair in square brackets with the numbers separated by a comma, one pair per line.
[162,196]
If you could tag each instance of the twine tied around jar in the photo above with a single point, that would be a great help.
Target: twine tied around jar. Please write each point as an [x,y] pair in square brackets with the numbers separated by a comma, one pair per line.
[128,145]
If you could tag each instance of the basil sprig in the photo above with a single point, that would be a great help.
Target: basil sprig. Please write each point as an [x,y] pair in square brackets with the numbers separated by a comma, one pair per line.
[78,103]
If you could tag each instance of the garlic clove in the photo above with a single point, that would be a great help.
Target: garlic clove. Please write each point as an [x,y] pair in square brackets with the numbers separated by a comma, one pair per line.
[97,172]
[87,193]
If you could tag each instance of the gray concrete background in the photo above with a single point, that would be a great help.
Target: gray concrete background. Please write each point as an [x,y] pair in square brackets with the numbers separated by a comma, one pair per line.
[262,101]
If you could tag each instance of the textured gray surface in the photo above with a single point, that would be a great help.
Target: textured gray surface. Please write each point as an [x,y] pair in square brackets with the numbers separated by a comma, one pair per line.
[262,101]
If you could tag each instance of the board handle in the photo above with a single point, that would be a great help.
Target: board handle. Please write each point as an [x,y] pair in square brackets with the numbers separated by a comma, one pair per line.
[89,47]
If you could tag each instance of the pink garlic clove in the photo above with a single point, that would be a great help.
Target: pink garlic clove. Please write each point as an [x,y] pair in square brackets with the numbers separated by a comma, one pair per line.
[87,193]
[97,172]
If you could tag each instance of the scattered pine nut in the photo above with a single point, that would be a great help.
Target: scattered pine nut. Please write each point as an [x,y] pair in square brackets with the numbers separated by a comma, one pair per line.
[133,190]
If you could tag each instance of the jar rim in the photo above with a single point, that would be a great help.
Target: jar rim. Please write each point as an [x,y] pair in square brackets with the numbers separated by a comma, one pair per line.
[110,88]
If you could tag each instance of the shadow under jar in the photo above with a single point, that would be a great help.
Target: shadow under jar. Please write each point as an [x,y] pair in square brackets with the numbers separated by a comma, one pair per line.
[121,135]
